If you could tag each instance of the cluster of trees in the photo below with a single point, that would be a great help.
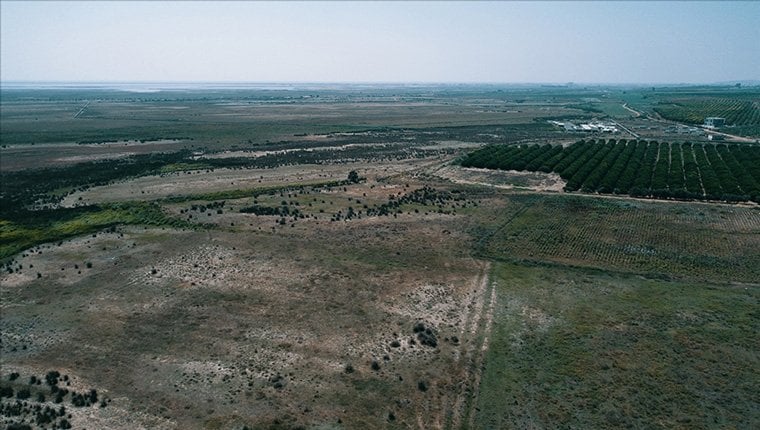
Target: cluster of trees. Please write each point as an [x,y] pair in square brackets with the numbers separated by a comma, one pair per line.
[639,168]
[425,335]
[523,157]
[350,214]
[141,140]
[282,210]
[29,406]
[52,379]
[23,412]
[445,202]
[425,196]
[202,208]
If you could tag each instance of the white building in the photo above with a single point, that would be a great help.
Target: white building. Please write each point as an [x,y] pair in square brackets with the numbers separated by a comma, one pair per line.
[714,122]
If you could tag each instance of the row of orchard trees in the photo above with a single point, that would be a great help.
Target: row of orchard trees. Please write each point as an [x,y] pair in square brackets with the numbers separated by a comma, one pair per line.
[638,168]
[524,157]
[735,111]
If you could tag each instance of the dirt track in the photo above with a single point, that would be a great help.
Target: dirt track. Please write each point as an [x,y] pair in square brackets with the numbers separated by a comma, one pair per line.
[460,403]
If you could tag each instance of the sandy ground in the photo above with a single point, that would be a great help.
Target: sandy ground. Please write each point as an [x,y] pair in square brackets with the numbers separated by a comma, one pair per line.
[509,179]
[255,154]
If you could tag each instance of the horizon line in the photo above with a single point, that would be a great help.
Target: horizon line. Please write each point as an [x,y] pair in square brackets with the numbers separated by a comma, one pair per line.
[251,82]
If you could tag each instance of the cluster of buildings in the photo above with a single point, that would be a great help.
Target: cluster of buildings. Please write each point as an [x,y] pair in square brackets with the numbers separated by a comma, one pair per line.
[589,127]
[683,129]
[713,122]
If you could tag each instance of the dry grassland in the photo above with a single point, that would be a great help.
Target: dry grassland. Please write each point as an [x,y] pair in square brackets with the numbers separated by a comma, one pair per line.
[257,323]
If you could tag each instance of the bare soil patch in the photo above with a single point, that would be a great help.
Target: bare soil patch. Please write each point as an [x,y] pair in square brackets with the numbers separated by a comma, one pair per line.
[509,179]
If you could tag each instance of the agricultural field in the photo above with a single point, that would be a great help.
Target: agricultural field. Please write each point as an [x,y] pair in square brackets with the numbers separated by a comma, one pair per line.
[638,168]
[736,112]
[575,348]
[691,105]
[375,258]
[654,239]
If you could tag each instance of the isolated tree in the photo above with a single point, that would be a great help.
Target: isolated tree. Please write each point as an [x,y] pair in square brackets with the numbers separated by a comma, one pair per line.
[353,177]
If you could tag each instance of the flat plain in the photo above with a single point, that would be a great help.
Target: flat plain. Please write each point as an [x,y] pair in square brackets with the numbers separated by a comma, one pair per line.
[319,258]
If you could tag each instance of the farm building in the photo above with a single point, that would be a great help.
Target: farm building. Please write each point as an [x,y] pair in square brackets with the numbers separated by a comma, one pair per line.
[587,128]
[569,126]
[714,122]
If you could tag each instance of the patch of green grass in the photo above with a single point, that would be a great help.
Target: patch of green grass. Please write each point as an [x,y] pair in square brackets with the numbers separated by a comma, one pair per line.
[30,228]
[54,225]
[574,348]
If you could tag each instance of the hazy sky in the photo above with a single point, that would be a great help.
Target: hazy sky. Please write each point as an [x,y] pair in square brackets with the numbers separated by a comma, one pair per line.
[631,42]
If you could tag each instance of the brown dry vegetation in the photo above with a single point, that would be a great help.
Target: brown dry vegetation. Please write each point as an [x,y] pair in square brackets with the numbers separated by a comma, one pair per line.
[254,322]
[503,304]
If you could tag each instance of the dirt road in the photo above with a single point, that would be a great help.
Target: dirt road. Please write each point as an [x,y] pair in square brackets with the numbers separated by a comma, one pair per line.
[634,112]
[459,406]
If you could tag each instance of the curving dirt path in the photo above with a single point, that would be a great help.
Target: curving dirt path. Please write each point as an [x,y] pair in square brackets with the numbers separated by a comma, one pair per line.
[635,113]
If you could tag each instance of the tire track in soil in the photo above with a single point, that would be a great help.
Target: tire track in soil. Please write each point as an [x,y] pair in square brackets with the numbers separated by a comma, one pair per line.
[488,324]
[460,402]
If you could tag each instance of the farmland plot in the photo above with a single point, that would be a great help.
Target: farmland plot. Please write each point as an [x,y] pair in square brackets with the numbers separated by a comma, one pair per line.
[706,242]
[637,168]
